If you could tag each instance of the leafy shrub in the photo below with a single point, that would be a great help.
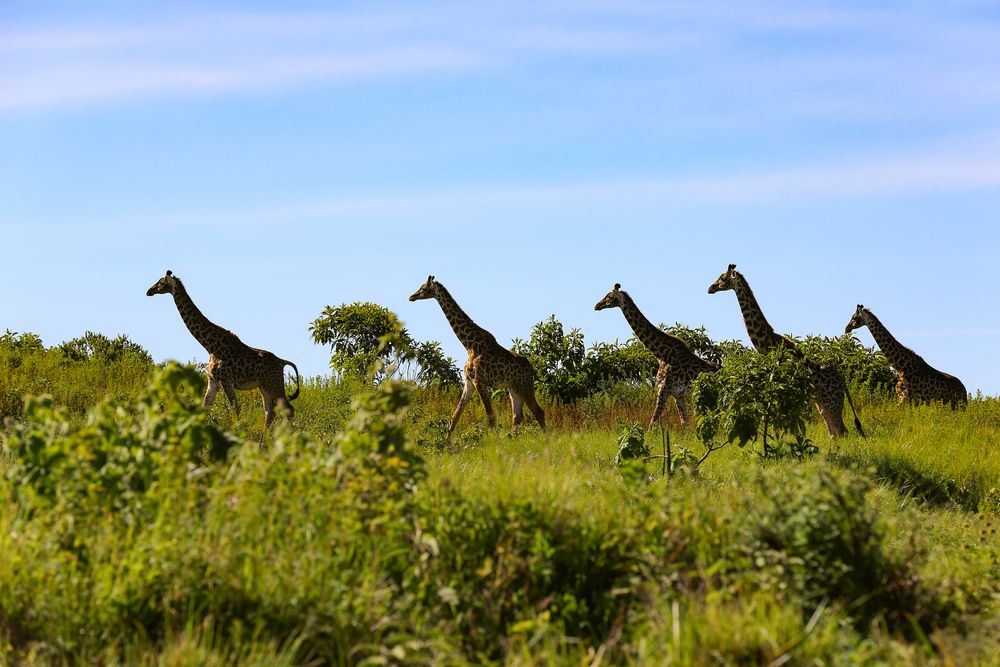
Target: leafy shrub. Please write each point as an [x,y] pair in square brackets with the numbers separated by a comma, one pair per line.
[754,397]
[434,368]
[114,460]
[368,340]
[861,366]
[824,540]
[99,347]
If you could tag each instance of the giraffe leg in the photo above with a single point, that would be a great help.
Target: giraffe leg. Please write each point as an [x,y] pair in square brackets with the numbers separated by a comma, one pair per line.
[516,408]
[661,394]
[466,395]
[484,394]
[233,399]
[268,409]
[210,392]
[536,409]
[682,409]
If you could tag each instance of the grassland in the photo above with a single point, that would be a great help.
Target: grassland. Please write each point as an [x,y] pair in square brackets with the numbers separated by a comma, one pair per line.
[359,535]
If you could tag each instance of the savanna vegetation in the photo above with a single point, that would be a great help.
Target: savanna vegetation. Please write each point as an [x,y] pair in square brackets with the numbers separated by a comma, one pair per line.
[137,528]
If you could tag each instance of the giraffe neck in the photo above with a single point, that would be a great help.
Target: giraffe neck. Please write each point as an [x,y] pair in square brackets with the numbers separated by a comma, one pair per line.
[902,358]
[469,333]
[659,342]
[211,336]
[761,333]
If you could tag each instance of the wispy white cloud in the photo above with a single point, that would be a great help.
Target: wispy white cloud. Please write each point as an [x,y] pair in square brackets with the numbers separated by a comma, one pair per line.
[956,169]
[99,81]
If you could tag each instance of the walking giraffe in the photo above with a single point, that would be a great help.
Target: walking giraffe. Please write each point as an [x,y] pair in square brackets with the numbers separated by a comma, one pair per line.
[232,364]
[919,382]
[490,366]
[679,366]
[829,384]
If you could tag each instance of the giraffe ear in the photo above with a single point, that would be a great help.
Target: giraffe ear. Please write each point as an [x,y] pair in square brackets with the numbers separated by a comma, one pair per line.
[618,286]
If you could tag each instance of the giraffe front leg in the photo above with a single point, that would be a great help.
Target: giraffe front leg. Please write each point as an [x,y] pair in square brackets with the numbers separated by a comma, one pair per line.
[466,395]
[682,409]
[210,392]
[661,394]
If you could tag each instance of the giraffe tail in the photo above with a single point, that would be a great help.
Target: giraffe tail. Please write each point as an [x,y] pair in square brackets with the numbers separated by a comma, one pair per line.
[857,421]
[298,383]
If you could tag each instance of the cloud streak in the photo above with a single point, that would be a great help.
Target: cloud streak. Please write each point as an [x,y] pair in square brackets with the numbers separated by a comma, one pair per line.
[942,171]
[879,62]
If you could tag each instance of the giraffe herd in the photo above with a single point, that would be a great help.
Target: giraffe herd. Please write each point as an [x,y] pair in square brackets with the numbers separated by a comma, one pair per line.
[233,365]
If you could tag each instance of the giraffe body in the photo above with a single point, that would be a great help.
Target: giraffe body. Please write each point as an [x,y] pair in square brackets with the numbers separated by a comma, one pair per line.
[679,366]
[830,389]
[490,366]
[232,364]
[919,382]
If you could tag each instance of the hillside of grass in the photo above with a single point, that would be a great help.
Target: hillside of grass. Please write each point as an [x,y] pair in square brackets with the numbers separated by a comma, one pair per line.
[136,528]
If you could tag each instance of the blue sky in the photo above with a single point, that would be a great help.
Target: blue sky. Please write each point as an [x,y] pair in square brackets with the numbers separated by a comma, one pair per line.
[282,159]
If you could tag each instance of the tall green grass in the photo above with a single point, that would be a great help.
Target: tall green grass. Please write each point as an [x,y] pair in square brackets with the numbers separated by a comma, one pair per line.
[359,534]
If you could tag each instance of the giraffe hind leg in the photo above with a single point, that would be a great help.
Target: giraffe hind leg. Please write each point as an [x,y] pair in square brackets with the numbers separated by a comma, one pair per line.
[516,408]
[661,402]
[484,395]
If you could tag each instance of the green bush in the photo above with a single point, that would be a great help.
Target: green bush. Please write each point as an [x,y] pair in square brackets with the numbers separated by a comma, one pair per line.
[369,341]
[114,460]
[755,397]
[861,366]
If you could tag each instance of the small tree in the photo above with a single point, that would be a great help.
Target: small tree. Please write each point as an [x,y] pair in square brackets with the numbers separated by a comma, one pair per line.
[755,397]
[355,332]
[558,358]
[368,340]
[434,368]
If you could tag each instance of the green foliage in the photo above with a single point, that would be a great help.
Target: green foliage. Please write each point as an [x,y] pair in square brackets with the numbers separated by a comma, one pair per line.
[355,333]
[114,460]
[338,540]
[754,397]
[825,541]
[434,368]
[99,347]
[20,343]
[368,340]
[558,358]
[861,366]
[76,382]
[697,339]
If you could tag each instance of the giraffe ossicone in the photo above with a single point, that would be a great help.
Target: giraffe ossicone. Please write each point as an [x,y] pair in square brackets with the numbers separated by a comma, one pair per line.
[232,364]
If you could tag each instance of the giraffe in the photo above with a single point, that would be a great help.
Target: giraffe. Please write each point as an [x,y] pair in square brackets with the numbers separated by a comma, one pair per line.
[490,366]
[830,387]
[679,366]
[919,382]
[232,364]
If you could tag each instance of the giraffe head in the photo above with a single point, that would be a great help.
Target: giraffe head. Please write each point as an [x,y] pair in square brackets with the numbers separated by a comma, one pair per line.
[859,320]
[725,282]
[429,290]
[164,285]
[613,299]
